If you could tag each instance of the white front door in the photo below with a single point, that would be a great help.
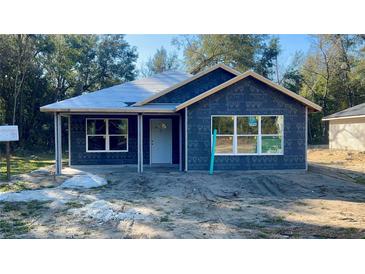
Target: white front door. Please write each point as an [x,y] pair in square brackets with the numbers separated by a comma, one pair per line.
[161,141]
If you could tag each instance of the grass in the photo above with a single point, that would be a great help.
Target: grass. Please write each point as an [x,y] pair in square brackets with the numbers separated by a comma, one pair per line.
[25,162]
[16,186]
[164,219]
[11,228]
[25,209]
[360,180]
[277,219]
[73,204]
[14,215]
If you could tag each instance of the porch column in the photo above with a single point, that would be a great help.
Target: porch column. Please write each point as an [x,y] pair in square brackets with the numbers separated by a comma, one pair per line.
[180,143]
[58,143]
[186,139]
[140,143]
[69,140]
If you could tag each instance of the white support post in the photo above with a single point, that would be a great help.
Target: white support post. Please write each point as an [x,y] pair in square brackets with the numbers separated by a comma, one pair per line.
[186,139]
[139,143]
[69,140]
[58,143]
[306,138]
[180,142]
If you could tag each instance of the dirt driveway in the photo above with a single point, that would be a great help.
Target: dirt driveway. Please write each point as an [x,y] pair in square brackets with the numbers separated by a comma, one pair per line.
[197,205]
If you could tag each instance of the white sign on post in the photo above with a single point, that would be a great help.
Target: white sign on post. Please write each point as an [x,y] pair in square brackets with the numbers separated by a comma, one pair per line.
[9,133]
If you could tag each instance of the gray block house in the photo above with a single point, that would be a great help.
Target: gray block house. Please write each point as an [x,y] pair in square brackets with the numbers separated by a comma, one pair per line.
[168,120]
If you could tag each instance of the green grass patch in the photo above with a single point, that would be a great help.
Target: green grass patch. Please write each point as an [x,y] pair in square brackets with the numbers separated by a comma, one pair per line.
[277,219]
[17,186]
[24,209]
[14,227]
[360,180]
[74,204]
[263,235]
[164,219]
[23,162]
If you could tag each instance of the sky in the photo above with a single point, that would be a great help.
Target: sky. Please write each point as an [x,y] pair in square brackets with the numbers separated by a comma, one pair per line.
[148,44]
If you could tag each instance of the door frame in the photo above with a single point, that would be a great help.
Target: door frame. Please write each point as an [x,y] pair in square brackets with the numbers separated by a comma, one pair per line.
[150,141]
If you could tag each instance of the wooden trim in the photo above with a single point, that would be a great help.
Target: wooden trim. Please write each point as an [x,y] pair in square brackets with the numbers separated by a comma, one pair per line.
[201,96]
[196,76]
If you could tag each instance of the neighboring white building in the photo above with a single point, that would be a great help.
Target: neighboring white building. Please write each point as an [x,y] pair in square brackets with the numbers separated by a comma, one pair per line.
[347,128]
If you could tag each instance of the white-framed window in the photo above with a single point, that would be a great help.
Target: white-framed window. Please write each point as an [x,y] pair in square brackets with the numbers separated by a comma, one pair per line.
[249,134]
[106,135]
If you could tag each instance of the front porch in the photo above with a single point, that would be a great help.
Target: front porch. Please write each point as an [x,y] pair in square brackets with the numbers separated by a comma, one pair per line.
[146,141]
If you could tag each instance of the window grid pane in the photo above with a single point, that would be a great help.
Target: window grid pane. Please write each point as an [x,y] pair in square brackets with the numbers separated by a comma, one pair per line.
[271,144]
[96,142]
[247,144]
[224,145]
[223,124]
[96,127]
[118,127]
[247,125]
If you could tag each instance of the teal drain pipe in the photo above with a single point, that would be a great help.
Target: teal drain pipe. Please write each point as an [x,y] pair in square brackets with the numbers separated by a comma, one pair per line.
[211,169]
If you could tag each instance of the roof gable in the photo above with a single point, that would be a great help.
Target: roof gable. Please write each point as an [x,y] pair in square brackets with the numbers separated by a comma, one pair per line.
[311,105]
[196,87]
[187,81]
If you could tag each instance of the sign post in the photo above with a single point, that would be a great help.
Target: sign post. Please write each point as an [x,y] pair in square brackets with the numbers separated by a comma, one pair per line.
[7,134]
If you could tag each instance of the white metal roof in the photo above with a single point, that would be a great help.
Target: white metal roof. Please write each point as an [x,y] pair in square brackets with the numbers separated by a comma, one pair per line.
[119,97]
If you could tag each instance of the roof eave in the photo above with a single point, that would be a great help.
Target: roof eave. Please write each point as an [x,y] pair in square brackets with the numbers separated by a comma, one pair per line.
[105,110]
[342,117]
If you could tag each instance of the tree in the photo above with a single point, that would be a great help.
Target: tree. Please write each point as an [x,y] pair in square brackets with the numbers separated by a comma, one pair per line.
[36,70]
[160,62]
[243,52]
[115,61]
[330,78]
[292,78]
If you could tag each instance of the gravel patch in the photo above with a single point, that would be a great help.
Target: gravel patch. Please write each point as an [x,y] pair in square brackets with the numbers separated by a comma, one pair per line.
[59,193]
[104,211]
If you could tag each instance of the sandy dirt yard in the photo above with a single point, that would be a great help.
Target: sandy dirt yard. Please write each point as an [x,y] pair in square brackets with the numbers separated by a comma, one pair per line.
[313,204]
[342,159]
